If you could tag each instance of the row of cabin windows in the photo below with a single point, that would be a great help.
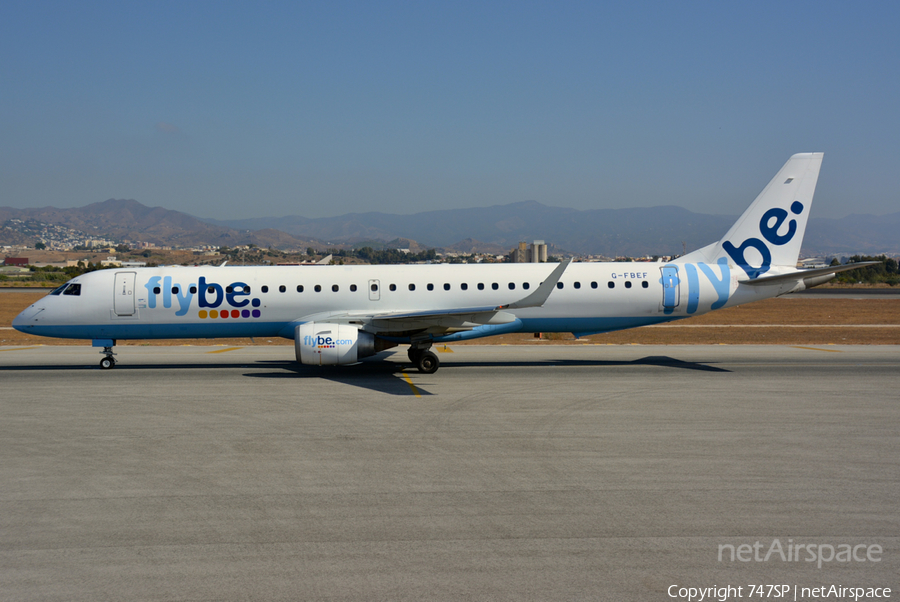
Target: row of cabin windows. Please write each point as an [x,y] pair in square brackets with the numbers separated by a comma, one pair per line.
[393,287]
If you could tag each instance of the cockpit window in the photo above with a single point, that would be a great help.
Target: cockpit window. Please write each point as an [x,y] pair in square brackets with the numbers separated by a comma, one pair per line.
[73,289]
[58,290]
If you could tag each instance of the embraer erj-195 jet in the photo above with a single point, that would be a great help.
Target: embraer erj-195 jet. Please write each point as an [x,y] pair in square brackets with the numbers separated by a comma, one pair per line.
[341,314]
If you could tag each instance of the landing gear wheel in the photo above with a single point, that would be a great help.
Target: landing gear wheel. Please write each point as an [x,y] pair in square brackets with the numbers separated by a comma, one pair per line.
[414,354]
[427,363]
[108,362]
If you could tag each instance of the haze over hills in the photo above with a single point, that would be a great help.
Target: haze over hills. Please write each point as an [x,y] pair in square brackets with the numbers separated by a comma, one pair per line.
[496,229]
[604,231]
[634,231]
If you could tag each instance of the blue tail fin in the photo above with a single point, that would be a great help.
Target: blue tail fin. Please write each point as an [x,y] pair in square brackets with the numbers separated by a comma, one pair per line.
[771,230]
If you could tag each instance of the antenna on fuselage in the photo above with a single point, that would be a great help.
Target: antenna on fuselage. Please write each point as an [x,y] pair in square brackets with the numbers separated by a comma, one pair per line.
[223,263]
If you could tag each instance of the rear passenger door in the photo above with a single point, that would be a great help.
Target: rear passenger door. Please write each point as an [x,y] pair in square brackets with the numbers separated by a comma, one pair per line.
[671,288]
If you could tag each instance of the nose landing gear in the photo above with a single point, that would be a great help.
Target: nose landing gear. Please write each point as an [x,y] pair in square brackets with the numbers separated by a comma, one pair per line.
[109,361]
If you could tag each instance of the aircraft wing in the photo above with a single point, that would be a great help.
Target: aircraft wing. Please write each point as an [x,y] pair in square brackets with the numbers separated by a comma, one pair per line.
[442,320]
[804,274]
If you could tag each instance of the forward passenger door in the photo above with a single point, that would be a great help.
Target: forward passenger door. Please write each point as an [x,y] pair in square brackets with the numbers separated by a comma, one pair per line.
[123,301]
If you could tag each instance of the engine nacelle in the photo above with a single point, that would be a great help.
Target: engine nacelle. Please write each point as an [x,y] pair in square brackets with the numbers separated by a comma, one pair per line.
[323,344]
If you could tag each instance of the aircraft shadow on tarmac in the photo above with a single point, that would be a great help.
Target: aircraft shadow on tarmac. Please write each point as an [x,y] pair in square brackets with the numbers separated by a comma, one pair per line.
[653,360]
[386,377]
[377,374]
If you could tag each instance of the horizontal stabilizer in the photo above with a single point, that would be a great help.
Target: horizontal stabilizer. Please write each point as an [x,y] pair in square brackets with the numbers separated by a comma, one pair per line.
[804,274]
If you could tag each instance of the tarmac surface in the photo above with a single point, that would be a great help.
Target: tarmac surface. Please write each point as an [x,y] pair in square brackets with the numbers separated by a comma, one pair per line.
[513,473]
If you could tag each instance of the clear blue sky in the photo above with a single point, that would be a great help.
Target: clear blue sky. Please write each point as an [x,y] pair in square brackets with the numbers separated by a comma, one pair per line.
[230,110]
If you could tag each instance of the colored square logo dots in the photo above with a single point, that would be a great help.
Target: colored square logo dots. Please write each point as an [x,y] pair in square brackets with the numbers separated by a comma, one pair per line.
[225,314]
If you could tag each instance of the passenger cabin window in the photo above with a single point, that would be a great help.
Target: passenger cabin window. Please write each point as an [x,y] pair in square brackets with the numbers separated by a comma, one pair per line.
[157,290]
[446,287]
[481,286]
[318,288]
[628,284]
[374,287]
[430,286]
[495,286]
[526,286]
[512,286]
[611,284]
[576,284]
[194,290]
[282,288]
[559,285]
[464,286]
[73,289]
[265,289]
[335,288]
[593,285]
[412,287]
[393,287]
[352,288]
[299,288]
[174,290]
[644,284]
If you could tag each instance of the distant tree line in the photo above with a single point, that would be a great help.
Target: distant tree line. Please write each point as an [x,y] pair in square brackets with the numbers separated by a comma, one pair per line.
[366,254]
[56,274]
[884,272]
[383,256]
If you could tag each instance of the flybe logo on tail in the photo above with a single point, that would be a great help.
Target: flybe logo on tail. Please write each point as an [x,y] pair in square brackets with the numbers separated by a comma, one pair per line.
[210,298]
[769,226]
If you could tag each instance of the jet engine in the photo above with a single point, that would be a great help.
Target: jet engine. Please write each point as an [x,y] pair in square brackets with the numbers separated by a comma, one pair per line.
[323,344]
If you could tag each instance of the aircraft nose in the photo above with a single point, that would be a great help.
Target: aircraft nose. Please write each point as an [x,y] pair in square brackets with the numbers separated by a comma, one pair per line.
[27,318]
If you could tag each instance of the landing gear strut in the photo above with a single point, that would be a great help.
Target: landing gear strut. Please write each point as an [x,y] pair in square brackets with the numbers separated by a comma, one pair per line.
[108,362]
[424,360]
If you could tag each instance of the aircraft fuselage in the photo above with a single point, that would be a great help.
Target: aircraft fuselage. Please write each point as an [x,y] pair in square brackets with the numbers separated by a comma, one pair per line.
[252,301]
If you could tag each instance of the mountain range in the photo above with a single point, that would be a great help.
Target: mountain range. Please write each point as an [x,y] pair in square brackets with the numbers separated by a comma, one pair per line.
[130,220]
[638,231]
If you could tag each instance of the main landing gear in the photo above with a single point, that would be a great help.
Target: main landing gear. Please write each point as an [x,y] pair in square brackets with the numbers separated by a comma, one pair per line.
[424,360]
[108,362]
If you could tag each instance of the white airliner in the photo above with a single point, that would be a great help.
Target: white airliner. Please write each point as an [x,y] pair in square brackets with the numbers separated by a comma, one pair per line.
[341,314]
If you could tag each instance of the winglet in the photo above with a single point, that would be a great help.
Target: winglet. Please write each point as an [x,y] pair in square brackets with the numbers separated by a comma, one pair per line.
[539,297]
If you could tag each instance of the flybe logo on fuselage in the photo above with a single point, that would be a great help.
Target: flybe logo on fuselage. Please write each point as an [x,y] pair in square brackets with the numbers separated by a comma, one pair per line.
[210,298]
[771,222]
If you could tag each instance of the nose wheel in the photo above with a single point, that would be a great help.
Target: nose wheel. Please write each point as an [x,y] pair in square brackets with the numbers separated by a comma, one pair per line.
[109,361]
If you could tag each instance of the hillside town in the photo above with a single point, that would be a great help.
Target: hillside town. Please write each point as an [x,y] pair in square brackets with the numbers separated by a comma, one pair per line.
[46,253]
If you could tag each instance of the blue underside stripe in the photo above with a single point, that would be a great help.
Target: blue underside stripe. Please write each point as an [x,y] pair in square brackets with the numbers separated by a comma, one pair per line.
[159,331]
[579,326]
